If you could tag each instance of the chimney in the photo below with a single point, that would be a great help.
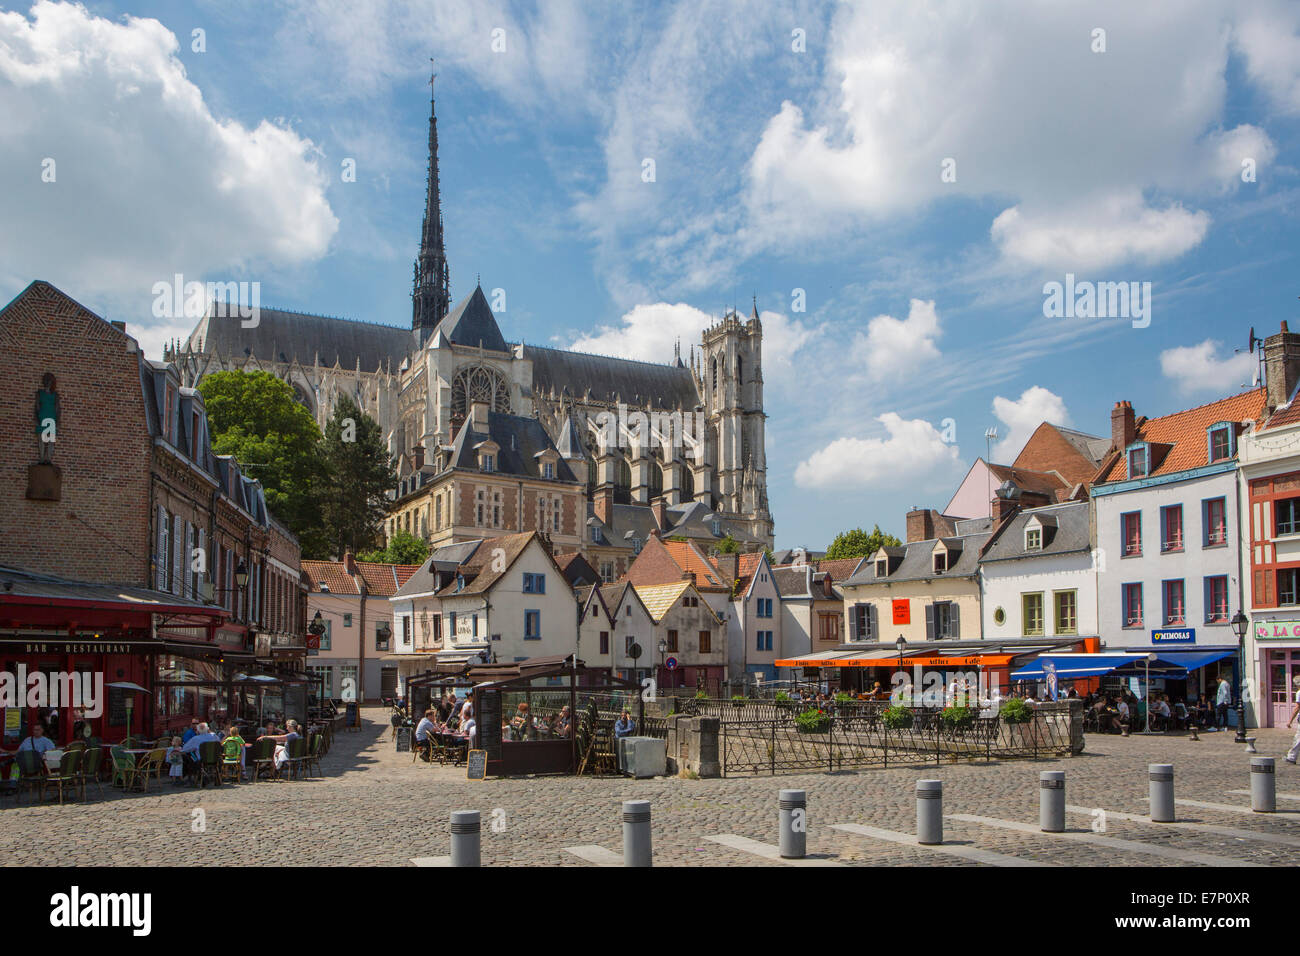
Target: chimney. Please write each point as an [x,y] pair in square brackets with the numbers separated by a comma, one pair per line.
[729,565]
[419,457]
[660,510]
[1123,429]
[478,416]
[604,501]
[1001,507]
[121,325]
[1281,366]
[920,525]
[349,563]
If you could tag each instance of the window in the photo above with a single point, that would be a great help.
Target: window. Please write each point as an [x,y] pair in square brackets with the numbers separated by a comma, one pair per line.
[882,568]
[940,562]
[489,463]
[941,621]
[382,638]
[764,607]
[861,621]
[706,642]
[1216,599]
[1132,600]
[1171,528]
[548,470]
[606,570]
[1131,531]
[1139,462]
[1286,586]
[628,641]
[604,642]
[347,619]
[437,512]
[1033,539]
[534,583]
[830,627]
[451,623]
[629,614]
[1287,511]
[764,641]
[672,642]
[596,535]
[532,625]
[717,528]
[1067,611]
[1175,605]
[328,636]
[1032,613]
[1221,441]
[1216,522]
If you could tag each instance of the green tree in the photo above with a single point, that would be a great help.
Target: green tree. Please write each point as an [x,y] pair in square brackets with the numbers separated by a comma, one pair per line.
[255,417]
[728,545]
[357,472]
[403,548]
[858,544]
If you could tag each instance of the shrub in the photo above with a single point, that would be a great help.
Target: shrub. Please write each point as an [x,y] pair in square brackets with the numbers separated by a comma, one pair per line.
[701,695]
[957,718]
[842,697]
[897,717]
[1016,711]
[812,721]
[782,695]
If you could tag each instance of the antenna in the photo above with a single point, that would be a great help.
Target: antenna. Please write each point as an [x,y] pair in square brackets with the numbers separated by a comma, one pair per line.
[990,436]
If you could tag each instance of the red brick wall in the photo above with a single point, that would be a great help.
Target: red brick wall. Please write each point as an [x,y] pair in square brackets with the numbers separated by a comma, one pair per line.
[1047,450]
[100,530]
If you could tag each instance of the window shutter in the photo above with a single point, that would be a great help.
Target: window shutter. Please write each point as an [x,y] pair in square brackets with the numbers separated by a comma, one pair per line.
[954,620]
[929,622]
[873,623]
[160,551]
[178,549]
[853,623]
[1205,598]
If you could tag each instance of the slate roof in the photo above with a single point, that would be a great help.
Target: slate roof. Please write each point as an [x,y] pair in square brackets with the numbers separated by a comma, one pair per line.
[577,569]
[1070,534]
[446,559]
[1185,433]
[281,336]
[918,564]
[520,439]
[611,379]
[480,570]
[471,323]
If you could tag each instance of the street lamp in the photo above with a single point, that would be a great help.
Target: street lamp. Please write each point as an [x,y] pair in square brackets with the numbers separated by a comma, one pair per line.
[241,575]
[663,647]
[901,644]
[1239,625]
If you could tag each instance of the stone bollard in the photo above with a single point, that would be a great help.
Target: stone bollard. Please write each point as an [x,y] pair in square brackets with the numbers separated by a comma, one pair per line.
[1051,801]
[1162,792]
[929,812]
[465,838]
[636,833]
[1263,785]
[793,807]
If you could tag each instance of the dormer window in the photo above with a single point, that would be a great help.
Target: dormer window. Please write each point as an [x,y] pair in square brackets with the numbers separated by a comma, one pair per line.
[1034,539]
[460,582]
[548,469]
[717,528]
[1222,441]
[1139,461]
[882,567]
[940,562]
[597,536]
[636,545]
[487,463]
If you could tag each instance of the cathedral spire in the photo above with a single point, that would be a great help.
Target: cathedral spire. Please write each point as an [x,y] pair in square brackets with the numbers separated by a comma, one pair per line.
[431,295]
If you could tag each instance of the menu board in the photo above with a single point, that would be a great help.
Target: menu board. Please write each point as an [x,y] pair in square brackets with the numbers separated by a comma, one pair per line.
[487,712]
[351,715]
[403,740]
[476,765]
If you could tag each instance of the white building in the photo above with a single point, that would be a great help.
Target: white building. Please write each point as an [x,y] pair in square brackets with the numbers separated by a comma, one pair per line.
[754,632]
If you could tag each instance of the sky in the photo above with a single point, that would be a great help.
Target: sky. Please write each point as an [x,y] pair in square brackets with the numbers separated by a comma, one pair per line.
[897,185]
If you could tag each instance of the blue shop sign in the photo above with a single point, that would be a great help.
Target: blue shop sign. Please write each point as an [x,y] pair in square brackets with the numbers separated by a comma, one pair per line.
[1174,635]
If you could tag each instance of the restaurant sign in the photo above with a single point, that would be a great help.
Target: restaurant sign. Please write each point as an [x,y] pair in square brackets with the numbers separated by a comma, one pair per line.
[1174,635]
[1277,630]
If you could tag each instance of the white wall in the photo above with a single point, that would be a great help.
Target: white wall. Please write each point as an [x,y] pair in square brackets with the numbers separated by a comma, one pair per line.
[1005,581]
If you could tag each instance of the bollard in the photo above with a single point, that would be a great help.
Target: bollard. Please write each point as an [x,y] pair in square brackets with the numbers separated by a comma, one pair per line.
[929,812]
[465,838]
[1051,801]
[793,805]
[1263,785]
[636,833]
[1162,792]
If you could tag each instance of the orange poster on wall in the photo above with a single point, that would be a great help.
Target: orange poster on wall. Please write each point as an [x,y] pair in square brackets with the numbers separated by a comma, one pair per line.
[902,611]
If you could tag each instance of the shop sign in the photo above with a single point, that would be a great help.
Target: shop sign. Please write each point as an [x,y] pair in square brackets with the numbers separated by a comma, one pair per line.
[1174,635]
[1277,630]
[902,609]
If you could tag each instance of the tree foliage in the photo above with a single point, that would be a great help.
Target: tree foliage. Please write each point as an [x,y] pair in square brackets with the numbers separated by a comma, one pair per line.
[255,417]
[858,544]
[728,545]
[357,472]
[403,548]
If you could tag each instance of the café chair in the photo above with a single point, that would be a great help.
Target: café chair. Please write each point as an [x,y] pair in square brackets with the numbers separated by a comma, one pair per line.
[151,764]
[209,762]
[125,771]
[67,777]
[314,753]
[91,760]
[264,758]
[31,773]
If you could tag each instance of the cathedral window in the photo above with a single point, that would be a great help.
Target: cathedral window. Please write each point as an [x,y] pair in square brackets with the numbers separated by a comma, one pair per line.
[437,513]
[740,371]
[477,383]
[715,373]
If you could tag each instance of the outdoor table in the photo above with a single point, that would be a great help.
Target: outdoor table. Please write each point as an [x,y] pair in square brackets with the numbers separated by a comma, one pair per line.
[52,758]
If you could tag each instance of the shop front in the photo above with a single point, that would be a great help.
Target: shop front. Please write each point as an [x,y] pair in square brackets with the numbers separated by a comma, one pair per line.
[1273,664]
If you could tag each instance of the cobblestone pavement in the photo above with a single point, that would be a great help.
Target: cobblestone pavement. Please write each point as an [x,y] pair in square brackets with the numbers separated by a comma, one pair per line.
[374,806]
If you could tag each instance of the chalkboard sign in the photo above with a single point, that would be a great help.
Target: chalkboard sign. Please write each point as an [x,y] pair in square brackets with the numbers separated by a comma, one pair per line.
[403,740]
[351,718]
[476,765]
[487,711]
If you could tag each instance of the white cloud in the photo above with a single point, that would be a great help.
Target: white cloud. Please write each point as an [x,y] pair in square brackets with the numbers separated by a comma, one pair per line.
[148,182]
[1201,368]
[1269,36]
[913,451]
[894,349]
[1021,416]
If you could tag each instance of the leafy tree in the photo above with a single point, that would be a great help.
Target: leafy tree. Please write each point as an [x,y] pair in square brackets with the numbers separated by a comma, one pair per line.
[858,544]
[403,548]
[728,545]
[255,417]
[357,472]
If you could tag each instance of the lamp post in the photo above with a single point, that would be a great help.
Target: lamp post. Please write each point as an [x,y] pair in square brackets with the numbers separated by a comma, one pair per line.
[901,644]
[1239,625]
[663,646]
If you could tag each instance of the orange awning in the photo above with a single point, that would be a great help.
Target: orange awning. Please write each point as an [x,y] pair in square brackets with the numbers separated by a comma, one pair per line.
[945,661]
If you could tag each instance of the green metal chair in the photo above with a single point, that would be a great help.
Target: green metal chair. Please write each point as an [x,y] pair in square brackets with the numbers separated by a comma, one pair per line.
[297,752]
[210,762]
[31,773]
[91,760]
[264,758]
[68,776]
[125,770]
[314,753]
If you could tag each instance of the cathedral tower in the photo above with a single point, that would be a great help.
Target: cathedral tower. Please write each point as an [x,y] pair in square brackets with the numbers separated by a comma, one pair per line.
[731,370]
[431,295]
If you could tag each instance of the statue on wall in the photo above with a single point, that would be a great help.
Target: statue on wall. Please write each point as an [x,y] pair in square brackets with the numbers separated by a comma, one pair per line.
[47,416]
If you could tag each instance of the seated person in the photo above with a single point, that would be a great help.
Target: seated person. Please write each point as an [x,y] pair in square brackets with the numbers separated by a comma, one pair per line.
[563,723]
[204,735]
[1180,713]
[423,730]
[521,725]
[281,755]
[232,748]
[37,741]
[625,726]
[1161,713]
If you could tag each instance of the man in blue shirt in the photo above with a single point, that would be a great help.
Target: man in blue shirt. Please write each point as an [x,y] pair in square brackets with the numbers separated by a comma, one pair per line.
[37,741]
[193,729]
[624,726]
[1221,701]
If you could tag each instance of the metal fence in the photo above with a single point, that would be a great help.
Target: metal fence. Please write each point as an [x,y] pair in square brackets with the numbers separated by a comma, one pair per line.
[857,740]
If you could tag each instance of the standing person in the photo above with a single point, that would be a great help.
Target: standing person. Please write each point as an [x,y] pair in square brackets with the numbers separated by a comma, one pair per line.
[1221,701]
[1295,744]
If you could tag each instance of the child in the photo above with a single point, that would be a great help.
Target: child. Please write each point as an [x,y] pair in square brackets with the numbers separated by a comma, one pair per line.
[233,748]
[176,762]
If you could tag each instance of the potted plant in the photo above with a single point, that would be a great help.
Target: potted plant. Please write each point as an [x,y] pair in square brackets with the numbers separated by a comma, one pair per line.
[701,694]
[1017,715]
[812,721]
[896,717]
[737,700]
[956,719]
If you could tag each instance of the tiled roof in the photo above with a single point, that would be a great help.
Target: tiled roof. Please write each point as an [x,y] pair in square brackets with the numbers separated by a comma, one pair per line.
[332,575]
[840,569]
[382,580]
[1041,482]
[479,570]
[689,558]
[746,568]
[660,598]
[1185,432]
[1288,414]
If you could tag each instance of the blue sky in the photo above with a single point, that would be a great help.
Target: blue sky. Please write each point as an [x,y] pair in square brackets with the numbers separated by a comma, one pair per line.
[796,146]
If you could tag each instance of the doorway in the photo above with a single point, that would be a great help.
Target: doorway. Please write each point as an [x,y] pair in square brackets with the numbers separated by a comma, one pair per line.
[1283,668]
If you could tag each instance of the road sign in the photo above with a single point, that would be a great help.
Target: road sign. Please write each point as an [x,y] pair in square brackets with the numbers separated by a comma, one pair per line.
[671,663]
[634,651]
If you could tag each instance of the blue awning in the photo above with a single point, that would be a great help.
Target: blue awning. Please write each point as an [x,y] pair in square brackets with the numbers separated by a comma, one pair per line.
[1192,660]
[1073,665]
